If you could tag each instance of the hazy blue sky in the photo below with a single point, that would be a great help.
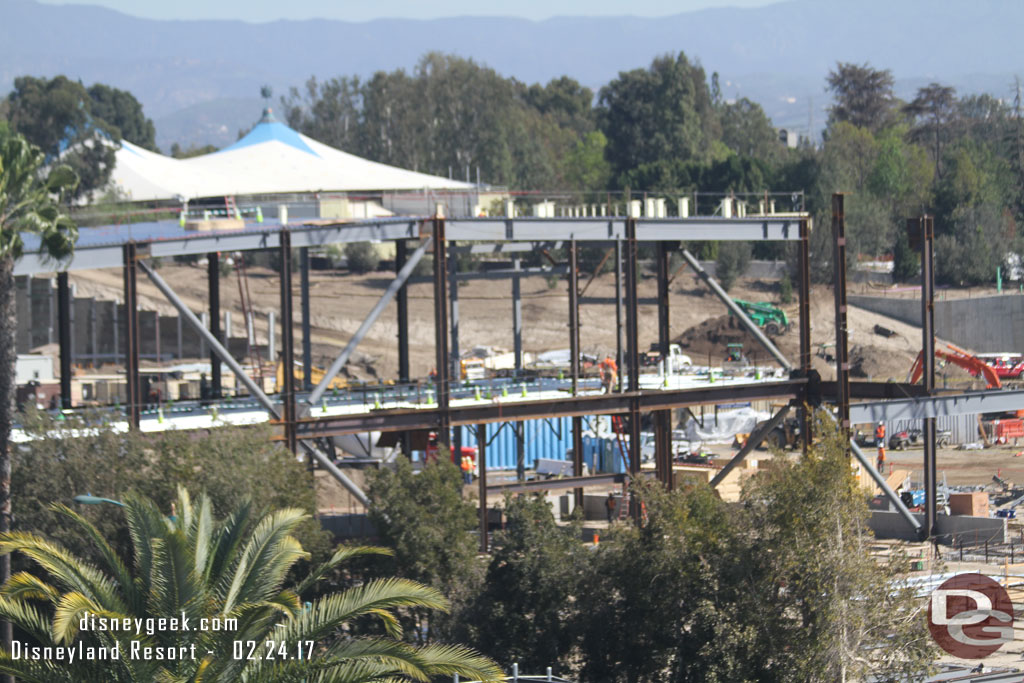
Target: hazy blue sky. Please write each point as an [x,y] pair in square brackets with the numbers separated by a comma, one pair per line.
[265,10]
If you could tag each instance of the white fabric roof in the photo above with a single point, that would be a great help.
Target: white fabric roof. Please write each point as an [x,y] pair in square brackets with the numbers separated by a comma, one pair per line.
[271,159]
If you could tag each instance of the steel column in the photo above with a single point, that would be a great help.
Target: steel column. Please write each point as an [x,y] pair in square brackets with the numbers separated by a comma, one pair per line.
[804,321]
[927,233]
[441,360]
[64,337]
[620,358]
[456,357]
[213,290]
[663,447]
[517,315]
[402,300]
[307,338]
[633,344]
[131,337]
[663,419]
[842,333]
[287,342]
[574,365]
[481,466]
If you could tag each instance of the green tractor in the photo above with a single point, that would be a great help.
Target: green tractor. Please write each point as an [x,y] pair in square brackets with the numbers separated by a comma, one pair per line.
[771,319]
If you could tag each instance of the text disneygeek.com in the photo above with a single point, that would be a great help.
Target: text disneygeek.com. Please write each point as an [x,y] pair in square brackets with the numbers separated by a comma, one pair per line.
[130,638]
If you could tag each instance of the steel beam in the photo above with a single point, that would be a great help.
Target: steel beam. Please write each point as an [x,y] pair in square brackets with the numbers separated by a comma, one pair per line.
[481,466]
[920,408]
[307,335]
[737,311]
[501,274]
[339,362]
[90,255]
[287,342]
[568,406]
[558,484]
[134,396]
[64,337]
[104,255]
[753,441]
[455,353]
[842,332]
[883,484]
[213,292]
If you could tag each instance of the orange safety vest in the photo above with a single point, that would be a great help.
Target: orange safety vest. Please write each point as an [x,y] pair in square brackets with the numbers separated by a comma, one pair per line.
[467,463]
[880,432]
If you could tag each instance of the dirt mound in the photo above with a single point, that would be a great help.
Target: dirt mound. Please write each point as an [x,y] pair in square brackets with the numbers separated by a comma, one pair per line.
[712,337]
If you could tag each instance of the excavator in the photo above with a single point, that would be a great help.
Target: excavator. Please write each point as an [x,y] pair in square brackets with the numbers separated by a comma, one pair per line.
[958,356]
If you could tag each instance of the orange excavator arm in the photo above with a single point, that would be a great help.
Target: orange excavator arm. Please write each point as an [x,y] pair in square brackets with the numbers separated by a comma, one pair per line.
[965,360]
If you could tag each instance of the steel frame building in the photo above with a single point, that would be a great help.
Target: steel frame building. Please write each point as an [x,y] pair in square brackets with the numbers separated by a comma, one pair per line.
[299,429]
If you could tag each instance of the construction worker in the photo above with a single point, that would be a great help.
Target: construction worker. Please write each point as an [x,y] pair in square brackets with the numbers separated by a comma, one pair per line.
[609,505]
[880,441]
[467,469]
[609,374]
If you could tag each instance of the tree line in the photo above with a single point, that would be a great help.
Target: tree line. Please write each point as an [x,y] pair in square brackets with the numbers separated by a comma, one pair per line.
[779,587]
[665,129]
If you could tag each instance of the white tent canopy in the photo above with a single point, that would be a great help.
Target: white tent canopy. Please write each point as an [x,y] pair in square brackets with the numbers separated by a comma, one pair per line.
[271,159]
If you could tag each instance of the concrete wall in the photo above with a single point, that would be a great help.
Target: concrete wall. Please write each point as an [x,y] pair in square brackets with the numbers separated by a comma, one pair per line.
[950,530]
[984,324]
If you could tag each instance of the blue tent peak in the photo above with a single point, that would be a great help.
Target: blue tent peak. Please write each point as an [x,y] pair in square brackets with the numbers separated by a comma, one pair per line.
[268,129]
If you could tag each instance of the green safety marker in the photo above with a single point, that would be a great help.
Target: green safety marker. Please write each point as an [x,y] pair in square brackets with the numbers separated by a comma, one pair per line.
[323,404]
[160,415]
[504,392]
[376,402]
[213,413]
[524,389]
[711,375]
[476,394]
[561,375]
[259,214]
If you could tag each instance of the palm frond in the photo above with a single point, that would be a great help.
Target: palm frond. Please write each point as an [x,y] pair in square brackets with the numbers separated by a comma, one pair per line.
[342,554]
[24,586]
[271,547]
[114,564]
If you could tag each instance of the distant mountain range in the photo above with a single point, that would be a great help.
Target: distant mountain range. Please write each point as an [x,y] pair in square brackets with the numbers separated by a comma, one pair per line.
[200,80]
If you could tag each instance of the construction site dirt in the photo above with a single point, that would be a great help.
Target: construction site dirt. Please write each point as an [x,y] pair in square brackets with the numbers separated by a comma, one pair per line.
[339,301]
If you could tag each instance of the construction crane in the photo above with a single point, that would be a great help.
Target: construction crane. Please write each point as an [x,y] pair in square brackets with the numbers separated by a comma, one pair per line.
[965,359]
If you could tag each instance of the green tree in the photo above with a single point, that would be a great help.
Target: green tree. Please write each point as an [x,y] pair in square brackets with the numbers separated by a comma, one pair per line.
[120,109]
[361,257]
[423,518]
[585,167]
[80,455]
[863,96]
[749,132]
[663,112]
[821,592]
[532,584]
[932,110]
[27,207]
[202,568]
[733,259]
[55,115]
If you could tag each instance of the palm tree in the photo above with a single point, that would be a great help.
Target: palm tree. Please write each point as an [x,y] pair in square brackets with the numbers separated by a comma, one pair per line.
[26,206]
[227,579]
